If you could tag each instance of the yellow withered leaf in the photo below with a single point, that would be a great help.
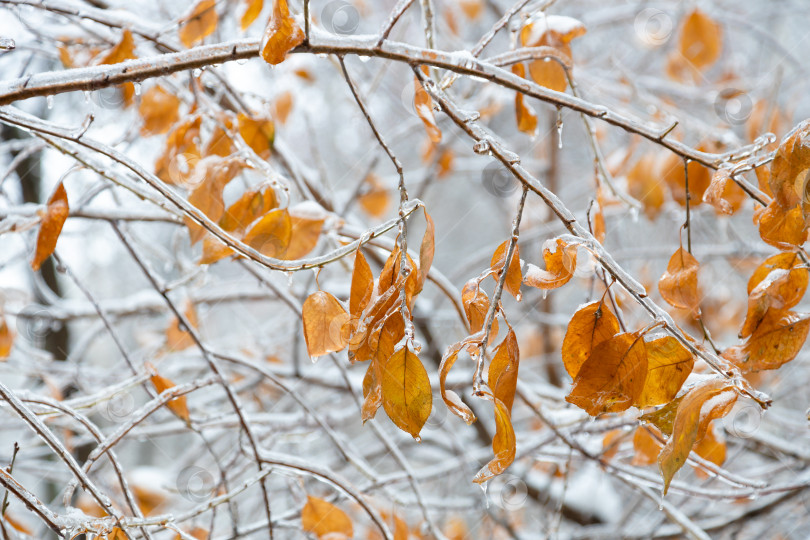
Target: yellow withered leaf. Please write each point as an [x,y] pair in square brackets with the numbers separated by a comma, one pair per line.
[258,133]
[382,345]
[177,405]
[786,261]
[159,111]
[504,445]
[476,306]
[561,262]
[514,277]
[423,104]
[281,35]
[701,40]
[780,290]
[325,324]
[702,404]
[305,230]
[591,325]
[612,378]
[406,394]
[248,208]
[679,285]
[777,340]
[53,219]
[362,285]
[271,235]
[253,9]
[325,520]
[199,24]
[712,448]
[503,370]
[668,365]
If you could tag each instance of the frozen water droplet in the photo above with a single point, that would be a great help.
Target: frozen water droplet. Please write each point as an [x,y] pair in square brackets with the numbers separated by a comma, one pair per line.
[364,59]
[196,72]
[86,96]
[519,296]
[483,486]
[242,61]
[661,502]
[49,102]
[559,128]
[481,147]
[634,214]
[417,346]
[544,293]
[289,280]
[418,439]
[137,87]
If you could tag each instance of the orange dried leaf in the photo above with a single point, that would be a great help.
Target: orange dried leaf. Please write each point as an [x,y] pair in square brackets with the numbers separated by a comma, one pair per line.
[305,230]
[362,285]
[375,201]
[6,338]
[664,417]
[591,325]
[257,133]
[668,365]
[53,220]
[786,261]
[423,104]
[780,227]
[407,398]
[452,399]
[426,252]
[701,40]
[271,235]
[503,370]
[670,167]
[281,35]
[514,278]
[723,193]
[325,324]
[476,306]
[646,186]
[211,175]
[282,106]
[712,448]
[561,262]
[790,169]
[702,404]
[123,50]
[776,341]
[471,8]
[646,446]
[781,289]
[177,163]
[504,445]
[247,209]
[679,285]
[177,339]
[556,33]
[159,110]
[612,378]
[525,115]
[177,405]
[325,520]
[611,443]
[252,11]
[199,24]
[214,250]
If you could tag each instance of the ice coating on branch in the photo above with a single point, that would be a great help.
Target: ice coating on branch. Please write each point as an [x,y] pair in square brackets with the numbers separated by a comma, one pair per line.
[309,210]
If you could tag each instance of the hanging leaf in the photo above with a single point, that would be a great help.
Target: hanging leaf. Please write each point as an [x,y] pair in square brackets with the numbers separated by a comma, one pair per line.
[702,404]
[701,40]
[503,443]
[253,204]
[281,35]
[790,169]
[526,117]
[664,417]
[591,325]
[778,291]
[712,448]
[271,235]
[612,378]
[253,9]
[325,324]
[53,219]
[723,193]
[6,338]
[362,285]
[123,50]
[668,365]
[503,370]
[476,306]
[514,278]
[306,223]
[325,520]
[561,262]
[375,201]
[787,261]
[199,24]
[382,344]
[211,175]
[556,33]
[159,110]
[178,339]
[679,285]
[644,184]
[670,167]
[646,446]
[423,104]
[177,405]
[177,163]
[452,399]
[258,133]
[426,251]
[782,228]
[472,9]
[220,142]
[777,340]
[407,398]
